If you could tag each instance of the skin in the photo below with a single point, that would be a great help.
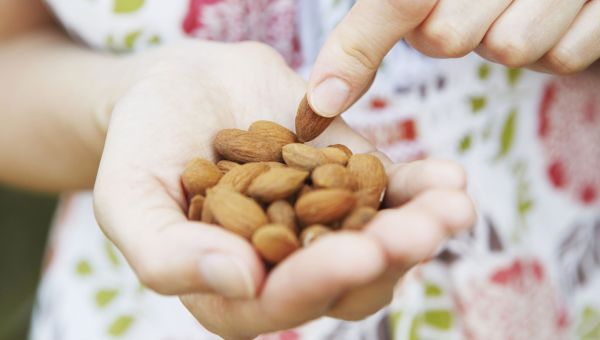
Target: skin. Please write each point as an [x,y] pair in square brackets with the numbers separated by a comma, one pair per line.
[129,132]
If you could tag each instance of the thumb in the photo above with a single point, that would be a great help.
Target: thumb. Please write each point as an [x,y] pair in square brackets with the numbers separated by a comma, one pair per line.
[352,54]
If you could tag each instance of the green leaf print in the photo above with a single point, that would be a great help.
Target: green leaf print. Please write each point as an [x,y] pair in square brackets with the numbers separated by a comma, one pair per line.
[465,143]
[120,325]
[441,319]
[414,328]
[83,268]
[484,71]
[394,320]
[589,326]
[513,75]
[432,290]
[154,40]
[127,6]
[508,134]
[111,254]
[131,38]
[478,103]
[105,296]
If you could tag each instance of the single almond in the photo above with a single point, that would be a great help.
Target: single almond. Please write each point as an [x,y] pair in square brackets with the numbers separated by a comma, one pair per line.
[342,147]
[244,147]
[195,209]
[207,215]
[234,211]
[303,156]
[370,197]
[225,165]
[309,125]
[332,176]
[312,233]
[199,175]
[282,212]
[276,165]
[324,205]
[273,131]
[240,177]
[368,172]
[275,242]
[358,218]
[335,155]
[277,183]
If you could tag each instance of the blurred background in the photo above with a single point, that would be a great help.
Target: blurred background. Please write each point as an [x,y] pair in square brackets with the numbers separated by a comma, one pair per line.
[24,222]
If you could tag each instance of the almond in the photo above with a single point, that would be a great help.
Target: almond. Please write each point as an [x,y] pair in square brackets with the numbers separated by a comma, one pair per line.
[332,176]
[282,212]
[370,197]
[342,147]
[277,183]
[324,205]
[313,232]
[309,125]
[305,190]
[358,218]
[199,175]
[225,165]
[303,156]
[207,215]
[273,131]
[275,242]
[335,155]
[234,211]
[276,165]
[195,209]
[368,172]
[240,177]
[244,147]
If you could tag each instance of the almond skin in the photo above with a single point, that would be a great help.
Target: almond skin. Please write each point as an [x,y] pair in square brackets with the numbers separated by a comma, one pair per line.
[225,165]
[277,183]
[309,125]
[335,155]
[276,165]
[234,211]
[207,215]
[199,175]
[358,218]
[275,242]
[282,212]
[370,197]
[323,206]
[273,131]
[240,177]
[370,177]
[313,232]
[195,209]
[303,156]
[342,147]
[244,147]
[332,176]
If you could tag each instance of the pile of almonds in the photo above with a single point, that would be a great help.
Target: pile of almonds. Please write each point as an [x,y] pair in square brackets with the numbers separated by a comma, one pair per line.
[279,193]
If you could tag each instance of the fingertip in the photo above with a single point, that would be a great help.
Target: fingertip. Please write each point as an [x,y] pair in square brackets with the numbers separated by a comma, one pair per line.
[329,97]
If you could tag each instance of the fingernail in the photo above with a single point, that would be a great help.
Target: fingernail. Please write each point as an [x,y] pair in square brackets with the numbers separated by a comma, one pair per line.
[330,97]
[227,276]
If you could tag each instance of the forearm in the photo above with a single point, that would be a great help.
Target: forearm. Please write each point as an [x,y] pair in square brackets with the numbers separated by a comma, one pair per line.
[55,98]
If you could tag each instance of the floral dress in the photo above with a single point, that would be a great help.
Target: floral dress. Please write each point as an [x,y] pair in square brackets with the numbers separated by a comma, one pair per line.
[530,143]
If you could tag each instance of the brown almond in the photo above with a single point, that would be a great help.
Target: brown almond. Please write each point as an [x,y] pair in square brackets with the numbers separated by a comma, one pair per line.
[324,205]
[368,172]
[282,212]
[225,165]
[342,147]
[309,125]
[277,183]
[275,242]
[332,176]
[335,155]
[303,156]
[358,218]
[195,209]
[240,177]
[313,232]
[276,165]
[234,211]
[244,147]
[207,215]
[273,131]
[199,174]
[370,197]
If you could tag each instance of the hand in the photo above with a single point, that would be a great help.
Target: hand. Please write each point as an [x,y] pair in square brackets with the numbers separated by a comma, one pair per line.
[557,36]
[187,94]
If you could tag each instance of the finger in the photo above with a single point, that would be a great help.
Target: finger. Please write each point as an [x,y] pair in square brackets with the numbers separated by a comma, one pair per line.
[351,55]
[455,27]
[579,47]
[300,289]
[408,180]
[527,30]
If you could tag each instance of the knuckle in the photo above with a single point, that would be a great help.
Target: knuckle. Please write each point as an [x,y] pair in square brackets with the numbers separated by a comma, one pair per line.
[361,57]
[415,10]
[563,62]
[448,40]
[513,52]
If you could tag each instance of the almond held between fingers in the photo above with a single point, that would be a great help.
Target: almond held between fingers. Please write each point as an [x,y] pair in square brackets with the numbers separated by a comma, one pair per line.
[240,177]
[195,209]
[273,131]
[225,165]
[335,155]
[343,148]
[309,125]
[358,218]
[277,183]
[282,212]
[303,156]
[244,147]
[234,211]
[322,206]
[275,242]
[312,233]
[332,176]
[199,174]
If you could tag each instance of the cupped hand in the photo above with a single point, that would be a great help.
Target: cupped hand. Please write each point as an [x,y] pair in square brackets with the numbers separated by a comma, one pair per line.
[556,36]
[185,95]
